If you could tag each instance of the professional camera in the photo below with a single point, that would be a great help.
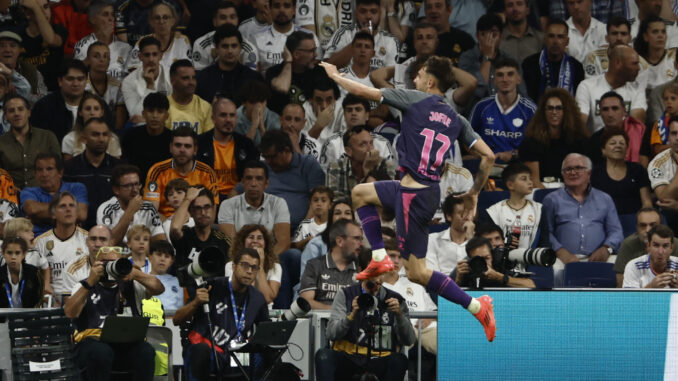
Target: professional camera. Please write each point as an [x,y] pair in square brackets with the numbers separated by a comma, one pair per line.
[368,303]
[298,310]
[505,259]
[206,264]
[116,270]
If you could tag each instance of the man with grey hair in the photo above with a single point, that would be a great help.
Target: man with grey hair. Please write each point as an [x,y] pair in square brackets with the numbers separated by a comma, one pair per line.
[231,146]
[582,221]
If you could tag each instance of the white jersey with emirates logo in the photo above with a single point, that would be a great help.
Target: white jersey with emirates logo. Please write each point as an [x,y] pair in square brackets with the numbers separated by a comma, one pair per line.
[202,52]
[270,45]
[59,252]
[251,27]
[179,48]
[110,212]
[505,216]
[386,46]
[119,51]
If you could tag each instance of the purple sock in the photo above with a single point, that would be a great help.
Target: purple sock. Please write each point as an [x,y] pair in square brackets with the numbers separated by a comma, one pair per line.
[442,285]
[369,217]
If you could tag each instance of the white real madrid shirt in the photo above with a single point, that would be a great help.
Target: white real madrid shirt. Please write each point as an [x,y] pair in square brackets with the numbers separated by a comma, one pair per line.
[179,48]
[581,45]
[270,45]
[662,72]
[119,51]
[638,273]
[505,217]
[61,251]
[416,297]
[251,27]
[202,52]
[110,212]
[661,169]
[386,46]
[337,125]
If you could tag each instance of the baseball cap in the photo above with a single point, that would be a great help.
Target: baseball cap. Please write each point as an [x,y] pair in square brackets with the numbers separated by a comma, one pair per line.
[8,34]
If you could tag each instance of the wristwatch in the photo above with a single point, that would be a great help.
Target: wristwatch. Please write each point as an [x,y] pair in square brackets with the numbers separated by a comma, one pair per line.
[609,250]
[86,285]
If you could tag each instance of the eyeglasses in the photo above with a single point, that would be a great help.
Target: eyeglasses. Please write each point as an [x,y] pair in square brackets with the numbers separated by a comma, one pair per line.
[130,185]
[109,249]
[162,18]
[554,108]
[247,267]
[204,208]
[578,168]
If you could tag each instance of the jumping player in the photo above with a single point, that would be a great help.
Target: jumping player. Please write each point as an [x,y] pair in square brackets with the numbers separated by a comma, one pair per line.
[429,128]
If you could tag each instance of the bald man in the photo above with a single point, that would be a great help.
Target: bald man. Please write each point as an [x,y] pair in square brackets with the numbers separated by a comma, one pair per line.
[292,121]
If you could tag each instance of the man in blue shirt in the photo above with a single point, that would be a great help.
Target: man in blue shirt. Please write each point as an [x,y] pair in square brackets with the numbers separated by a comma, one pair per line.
[49,171]
[501,119]
[582,220]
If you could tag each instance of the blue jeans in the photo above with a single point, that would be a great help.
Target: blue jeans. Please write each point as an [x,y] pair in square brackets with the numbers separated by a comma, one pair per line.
[290,261]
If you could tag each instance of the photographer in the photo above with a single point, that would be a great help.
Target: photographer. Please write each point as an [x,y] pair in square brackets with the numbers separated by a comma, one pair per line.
[97,291]
[481,247]
[369,325]
[234,306]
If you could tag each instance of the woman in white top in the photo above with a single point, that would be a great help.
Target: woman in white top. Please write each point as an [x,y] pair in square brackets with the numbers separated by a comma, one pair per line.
[91,106]
[270,272]
[656,62]
[174,45]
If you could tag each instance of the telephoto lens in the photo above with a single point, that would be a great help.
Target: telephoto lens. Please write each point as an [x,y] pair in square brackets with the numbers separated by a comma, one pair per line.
[116,270]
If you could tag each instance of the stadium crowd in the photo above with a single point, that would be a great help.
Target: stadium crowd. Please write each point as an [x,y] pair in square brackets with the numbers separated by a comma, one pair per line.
[156,129]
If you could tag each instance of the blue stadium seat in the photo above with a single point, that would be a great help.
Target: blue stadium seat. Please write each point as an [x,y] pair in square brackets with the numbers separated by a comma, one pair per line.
[543,276]
[628,223]
[539,194]
[487,199]
[472,165]
[438,227]
[590,274]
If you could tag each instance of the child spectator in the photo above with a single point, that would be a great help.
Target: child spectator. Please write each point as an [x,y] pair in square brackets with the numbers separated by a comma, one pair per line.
[23,228]
[321,201]
[659,140]
[518,217]
[162,258]
[175,192]
[138,240]
[21,280]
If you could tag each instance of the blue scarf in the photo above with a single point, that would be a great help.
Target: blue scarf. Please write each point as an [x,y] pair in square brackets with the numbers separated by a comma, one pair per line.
[564,76]
[662,125]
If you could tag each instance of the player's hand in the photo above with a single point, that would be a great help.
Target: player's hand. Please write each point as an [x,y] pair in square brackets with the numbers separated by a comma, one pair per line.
[393,306]
[135,204]
[330,69]
[470,205]
[326,116]
[469,229]
[599,255]
[372,160]
[661,281]
[202,295]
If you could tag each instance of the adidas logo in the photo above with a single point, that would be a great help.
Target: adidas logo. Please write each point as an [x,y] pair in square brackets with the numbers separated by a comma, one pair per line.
[325,276]
[490,120]
[269,43]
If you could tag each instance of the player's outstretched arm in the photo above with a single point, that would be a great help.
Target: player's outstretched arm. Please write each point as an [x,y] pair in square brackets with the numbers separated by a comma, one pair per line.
[353,87]
[470,198]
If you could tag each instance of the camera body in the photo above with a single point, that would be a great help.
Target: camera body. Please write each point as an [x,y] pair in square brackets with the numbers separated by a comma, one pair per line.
[115,270]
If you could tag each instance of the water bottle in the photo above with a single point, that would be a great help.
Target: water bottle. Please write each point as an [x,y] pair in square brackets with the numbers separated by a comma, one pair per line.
[516,229]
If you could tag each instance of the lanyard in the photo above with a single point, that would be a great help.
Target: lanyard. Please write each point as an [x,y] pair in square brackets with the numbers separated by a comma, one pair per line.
[239,322]
[145,270]
[8,289]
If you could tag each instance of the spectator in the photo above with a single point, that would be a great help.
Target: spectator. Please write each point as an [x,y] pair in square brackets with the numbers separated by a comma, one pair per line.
[321,201]
[518,217]
[175,192]
[35,201]
[347,320]
[554,131]
[367,17]
[657,269]
[254,117]
[453,41]
[93,297]
[291,79]
[269,274]
[324,114]
[204,53]
[151,77]
[552,66]
[23,228]
[227,73]
[57,111]
[174,46]
[93,167]
[183,148]
[325,276]
[662,173]
[132,18]
[7,188]
[63,243]
[655,100]
[481,247]
[43,43]
[519,39]
[100,82]
[8,207]
[149,143]
[162,259]
[189,241]
[101,16]
[659,135]
[620,77]
[292,121]
[21,145]
[447,248]
[292,176]
[614,117]
[224,149]
[72,15]
[16,275]
[625,181]
[25,77]
[653,8]
[361,160]
[655,58]
[586,32]
[618,33]
[636,244]
[258,22]
[235,294]
[138,239]
[126,208]
[186,108]
[91,106]
[602,10]
[582,220]
[481,59]
[270,42]
[501,119]
[4,92]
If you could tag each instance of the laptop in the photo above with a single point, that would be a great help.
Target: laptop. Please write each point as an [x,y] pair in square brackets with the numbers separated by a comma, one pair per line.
[270,335]
[124,329]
